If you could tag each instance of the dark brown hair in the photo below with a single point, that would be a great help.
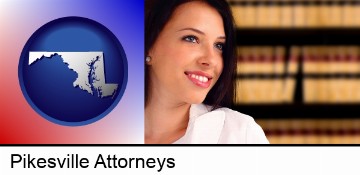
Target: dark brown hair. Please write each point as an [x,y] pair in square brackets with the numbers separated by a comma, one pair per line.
[158,13]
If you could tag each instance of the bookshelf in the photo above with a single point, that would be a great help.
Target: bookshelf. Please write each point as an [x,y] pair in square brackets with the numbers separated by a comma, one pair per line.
[302,38]
[299,68]
[296,13]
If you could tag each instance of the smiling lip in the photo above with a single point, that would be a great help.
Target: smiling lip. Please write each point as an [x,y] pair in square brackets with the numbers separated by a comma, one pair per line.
[199,78]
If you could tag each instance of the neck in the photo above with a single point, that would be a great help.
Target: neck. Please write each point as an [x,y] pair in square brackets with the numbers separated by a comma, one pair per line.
[165,122]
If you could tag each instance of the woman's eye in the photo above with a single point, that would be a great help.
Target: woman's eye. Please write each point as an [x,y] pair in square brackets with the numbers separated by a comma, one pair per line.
[220,46]
[191,38]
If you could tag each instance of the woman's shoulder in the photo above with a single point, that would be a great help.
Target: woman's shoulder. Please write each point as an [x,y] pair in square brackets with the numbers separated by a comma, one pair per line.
[237,120]
[225,125]
[230,114]
[241,128]
[236,116]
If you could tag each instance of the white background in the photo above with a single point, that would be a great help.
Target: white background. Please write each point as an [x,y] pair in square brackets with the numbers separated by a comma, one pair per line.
[198,160]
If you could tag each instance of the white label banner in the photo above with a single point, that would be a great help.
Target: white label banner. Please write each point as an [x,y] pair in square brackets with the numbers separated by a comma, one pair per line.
[182,160]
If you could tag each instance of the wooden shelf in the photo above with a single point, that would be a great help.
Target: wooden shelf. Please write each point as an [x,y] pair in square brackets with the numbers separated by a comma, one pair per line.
[298,36]
[299,110]
[291,2]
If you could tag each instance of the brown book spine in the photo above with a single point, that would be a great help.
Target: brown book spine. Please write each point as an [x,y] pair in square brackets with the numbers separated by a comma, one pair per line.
[312,15]
[262,14]
[357,14]
[238,12]
[279,70]
[310,84]
[274,14]
[299,13]
[332,85]
[286,15]
[336,14]
[323,14]
[250,15]
[357,83]
[348,19]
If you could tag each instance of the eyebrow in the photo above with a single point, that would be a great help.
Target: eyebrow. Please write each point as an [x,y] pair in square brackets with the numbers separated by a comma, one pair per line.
[199,32]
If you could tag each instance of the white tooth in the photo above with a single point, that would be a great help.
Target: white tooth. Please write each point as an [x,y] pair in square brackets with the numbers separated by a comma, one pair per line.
[201,78]
[206,79]
[192,76]
[197,77]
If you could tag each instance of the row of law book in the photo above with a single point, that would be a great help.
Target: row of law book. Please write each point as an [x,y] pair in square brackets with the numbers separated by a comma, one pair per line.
[331,74]
[295,13]
[311,131]
[269,74]
[265,74]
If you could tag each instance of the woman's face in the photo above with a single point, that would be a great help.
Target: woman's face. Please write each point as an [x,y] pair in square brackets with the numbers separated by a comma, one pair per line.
[186,59]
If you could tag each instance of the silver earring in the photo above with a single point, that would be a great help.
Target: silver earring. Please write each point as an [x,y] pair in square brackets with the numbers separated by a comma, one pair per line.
[148,59]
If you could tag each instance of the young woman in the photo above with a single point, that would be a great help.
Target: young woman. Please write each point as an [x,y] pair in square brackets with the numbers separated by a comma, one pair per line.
[190,63]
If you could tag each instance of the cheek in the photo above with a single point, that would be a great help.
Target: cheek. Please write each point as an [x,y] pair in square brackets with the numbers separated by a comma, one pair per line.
[181,56]
[167,63]
[218,70]
[169,52]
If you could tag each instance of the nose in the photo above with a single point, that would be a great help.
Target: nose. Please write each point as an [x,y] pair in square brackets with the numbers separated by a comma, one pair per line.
[209,56]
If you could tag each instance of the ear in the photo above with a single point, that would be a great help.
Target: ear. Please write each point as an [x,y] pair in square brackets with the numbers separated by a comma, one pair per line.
[149,58]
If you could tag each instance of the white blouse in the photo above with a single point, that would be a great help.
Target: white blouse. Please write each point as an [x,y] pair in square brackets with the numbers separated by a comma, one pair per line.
[221,126]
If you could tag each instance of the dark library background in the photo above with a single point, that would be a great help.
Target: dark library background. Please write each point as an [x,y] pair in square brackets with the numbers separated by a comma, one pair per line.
[299,69]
